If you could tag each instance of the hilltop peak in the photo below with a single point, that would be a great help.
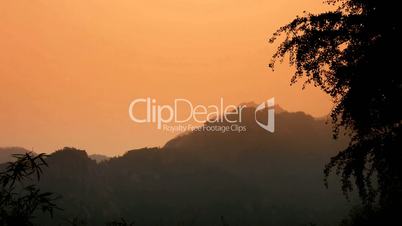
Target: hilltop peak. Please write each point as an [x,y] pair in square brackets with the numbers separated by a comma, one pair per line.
[252,104]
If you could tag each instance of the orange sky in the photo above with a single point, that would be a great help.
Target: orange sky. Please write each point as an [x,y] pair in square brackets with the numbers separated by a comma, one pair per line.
[69,68]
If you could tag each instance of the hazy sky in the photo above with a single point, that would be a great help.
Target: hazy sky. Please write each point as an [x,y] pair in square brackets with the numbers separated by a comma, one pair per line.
[69,68]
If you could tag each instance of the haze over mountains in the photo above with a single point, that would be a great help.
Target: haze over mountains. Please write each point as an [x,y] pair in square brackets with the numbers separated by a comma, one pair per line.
[7,152]
[207,178]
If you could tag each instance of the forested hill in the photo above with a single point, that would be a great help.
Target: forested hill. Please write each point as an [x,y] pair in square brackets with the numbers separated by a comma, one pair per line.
[205,178]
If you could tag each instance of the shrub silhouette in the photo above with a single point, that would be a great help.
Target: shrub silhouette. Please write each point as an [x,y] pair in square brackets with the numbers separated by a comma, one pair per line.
[18,201]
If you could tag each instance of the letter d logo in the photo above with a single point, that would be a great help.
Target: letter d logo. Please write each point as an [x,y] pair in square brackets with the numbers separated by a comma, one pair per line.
[269,104]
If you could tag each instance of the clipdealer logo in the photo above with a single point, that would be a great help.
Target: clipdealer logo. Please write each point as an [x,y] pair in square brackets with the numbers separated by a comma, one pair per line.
[170,118]
[270,105]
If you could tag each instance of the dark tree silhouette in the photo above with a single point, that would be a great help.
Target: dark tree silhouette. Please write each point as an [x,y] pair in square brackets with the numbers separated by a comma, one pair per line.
[18,202]
[352,53]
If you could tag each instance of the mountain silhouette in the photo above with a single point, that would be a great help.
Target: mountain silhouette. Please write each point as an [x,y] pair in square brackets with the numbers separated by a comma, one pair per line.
[7,152]
[98,157]
[249,178]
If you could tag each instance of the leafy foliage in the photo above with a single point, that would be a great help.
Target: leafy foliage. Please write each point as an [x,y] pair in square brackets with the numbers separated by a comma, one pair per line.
[349,54]
[18,202]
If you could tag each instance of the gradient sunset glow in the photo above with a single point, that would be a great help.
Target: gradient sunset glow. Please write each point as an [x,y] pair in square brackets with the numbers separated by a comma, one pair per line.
[70,68]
